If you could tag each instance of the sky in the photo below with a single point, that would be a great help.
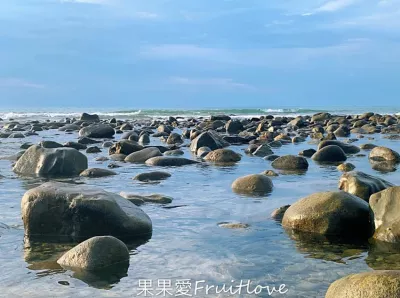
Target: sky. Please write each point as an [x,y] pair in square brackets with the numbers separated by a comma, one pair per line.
[199,53]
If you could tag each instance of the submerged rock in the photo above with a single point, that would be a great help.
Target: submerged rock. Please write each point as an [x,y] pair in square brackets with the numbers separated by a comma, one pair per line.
[97,173]
[68,212]
[38,161]
[362,185]
[166,161]
[96,253]
[141,199]
[152,176]
[347,148]
[255,184]
[233,225]
[278,213]
[346,167]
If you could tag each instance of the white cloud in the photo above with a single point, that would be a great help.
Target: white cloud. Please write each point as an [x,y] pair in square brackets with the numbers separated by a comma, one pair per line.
[87,1]
[19,83]
[223,83]
[331,6]
[146,15]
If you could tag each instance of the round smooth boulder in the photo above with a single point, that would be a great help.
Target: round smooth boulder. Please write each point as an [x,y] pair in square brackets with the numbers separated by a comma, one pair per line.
[63,162]
[142,155]
[210,139]
[347,148]
[223,156]
[290,163]
[97,131]
[70,212]
[255,184]
[166,161]
[330,213]
[384,154]
[331,153]
[125,147]
[362,185]
[374,284]
[96,253]
[346,167]
[97,173]
[152,176]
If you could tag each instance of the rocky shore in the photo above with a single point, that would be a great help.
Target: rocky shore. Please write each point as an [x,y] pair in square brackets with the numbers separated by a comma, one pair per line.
[103,224]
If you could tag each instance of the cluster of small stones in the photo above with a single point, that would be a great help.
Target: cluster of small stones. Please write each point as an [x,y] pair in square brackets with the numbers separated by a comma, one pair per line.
[364,205]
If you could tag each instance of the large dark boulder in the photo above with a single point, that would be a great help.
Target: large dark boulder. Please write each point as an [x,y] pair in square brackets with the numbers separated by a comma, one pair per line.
[210,139]
[70,212]
[97,131]
[347,148]
[330,154]
[38,161]
[290,163]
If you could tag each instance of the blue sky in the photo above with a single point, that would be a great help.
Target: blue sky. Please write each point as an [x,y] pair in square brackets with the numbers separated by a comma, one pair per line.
[199,53]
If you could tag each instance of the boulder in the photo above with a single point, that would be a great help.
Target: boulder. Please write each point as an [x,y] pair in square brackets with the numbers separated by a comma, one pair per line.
[290,163]
[384,154]
[347,148]
[97,173]
[38,161]
[263,150]
[75,145]
[255,184]
[367,146]
[166,161]
[331,153]
[386,207]
[330,213]
[278,213]
[307,152]
[233,126]
[70,212]
[50,144]
[174,138]
[374,284]
[96,253]
[362,185]
[202,152]
[144,139]
[142,155]
[152,176]
[124,147]
[90,118]
[210,139]
[223,156]
[97,131]
[93,149]
[130,135]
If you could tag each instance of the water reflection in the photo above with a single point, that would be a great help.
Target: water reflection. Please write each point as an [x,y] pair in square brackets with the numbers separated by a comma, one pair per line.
[328,248]
[384,256]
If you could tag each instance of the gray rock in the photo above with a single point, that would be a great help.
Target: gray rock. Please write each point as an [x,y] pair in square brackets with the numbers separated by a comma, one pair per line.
[97,131]
[209,139]
[143,155]
[278,213]
[97,173]
[331,153]
[307,152]
[141,199]
[234,126]
[38,161]
[166,161]
[290,163]
[93,149]
[175,152]
[362,185]
[89,117]
[174,138]
[152,176]
[386,207]
[263,150]
[255,184]
[125,147]
[50,144]
[330,213]
[70,212]
[75,145]
[96,253]
[117,157]
[223,156]
[203,151]
[347,148]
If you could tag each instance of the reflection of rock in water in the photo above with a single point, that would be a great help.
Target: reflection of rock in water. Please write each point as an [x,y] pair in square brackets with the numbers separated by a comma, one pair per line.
[328,248]
[103,279]
[384,256]
[385,166]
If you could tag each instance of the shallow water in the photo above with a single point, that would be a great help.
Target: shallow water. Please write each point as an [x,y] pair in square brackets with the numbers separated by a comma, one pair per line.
[187,242]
